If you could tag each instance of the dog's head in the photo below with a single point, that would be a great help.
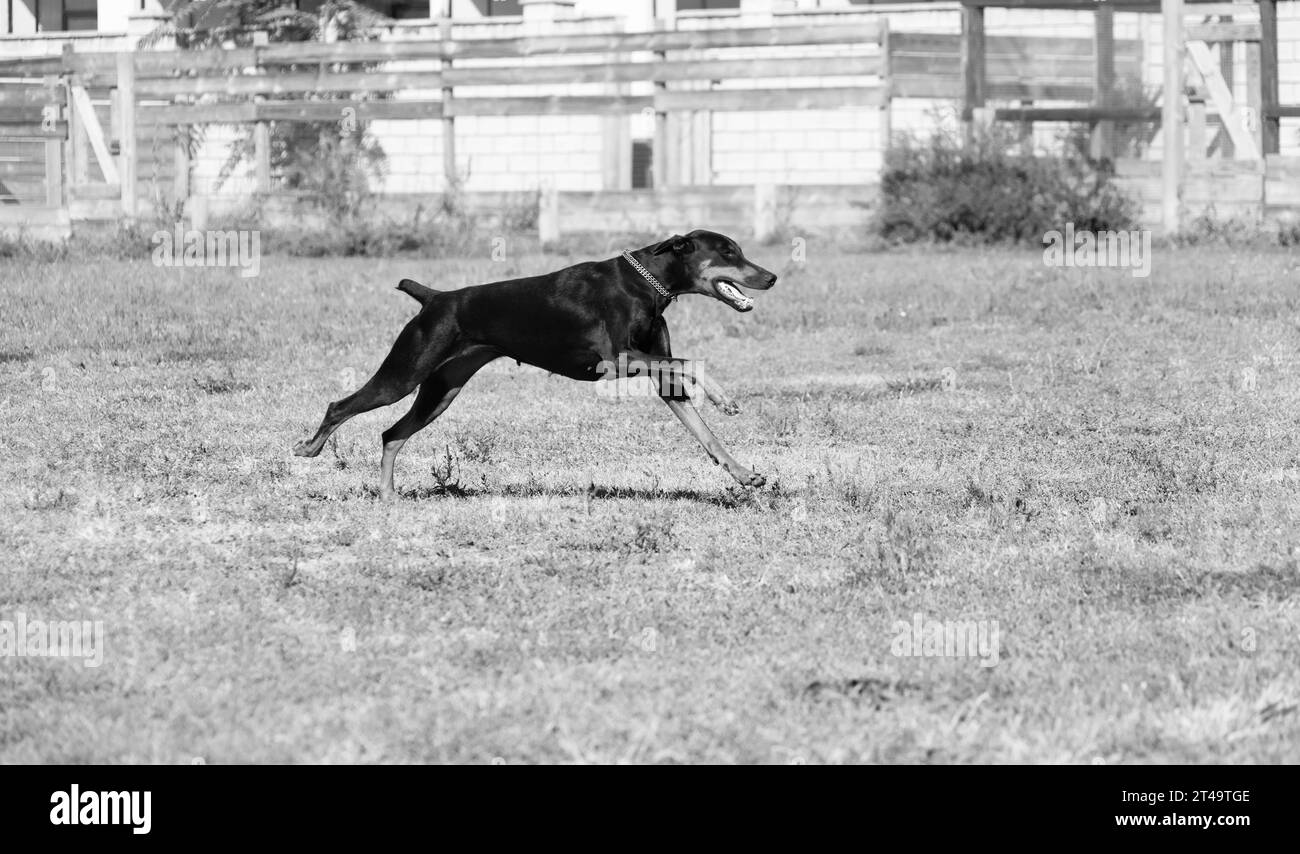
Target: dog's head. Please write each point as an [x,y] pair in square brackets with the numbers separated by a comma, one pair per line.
[713,265]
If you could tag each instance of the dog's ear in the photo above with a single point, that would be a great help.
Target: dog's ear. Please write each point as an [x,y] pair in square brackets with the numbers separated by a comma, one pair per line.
[676,244]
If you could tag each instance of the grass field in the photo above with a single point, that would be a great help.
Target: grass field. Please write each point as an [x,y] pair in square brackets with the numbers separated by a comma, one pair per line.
[1112,478]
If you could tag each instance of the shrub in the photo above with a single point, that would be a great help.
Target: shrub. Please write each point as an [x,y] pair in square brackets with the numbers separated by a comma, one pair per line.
[988,191]
[1209,229]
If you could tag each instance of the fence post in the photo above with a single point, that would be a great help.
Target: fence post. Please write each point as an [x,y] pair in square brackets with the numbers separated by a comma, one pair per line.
[77,165]
[450,178]
[1171,115]
[1269,122]
[1103,133]
[53,154]
[886,125]
[261,134]
[972,64]
[660,163]
[616,136]
[126,132]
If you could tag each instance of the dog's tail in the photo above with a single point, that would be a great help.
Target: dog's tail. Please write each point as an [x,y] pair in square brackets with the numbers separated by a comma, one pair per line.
[421,293]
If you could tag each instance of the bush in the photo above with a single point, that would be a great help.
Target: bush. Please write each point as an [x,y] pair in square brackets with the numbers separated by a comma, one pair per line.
[988,192]
[1209,229]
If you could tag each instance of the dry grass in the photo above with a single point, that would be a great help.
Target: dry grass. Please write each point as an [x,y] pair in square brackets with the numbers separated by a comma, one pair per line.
[571,580]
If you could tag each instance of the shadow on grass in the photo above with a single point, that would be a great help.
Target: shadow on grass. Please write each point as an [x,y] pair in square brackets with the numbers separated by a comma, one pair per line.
[728,497]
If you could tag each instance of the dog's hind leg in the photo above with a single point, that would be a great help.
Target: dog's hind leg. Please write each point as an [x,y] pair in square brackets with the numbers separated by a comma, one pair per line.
[436,394]
[420,348]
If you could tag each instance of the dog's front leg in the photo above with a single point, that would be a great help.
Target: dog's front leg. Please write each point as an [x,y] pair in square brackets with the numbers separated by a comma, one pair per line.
[675,371]
[690,417]
[686,412]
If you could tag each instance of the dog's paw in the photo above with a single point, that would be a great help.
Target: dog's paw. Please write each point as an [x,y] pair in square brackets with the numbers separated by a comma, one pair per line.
[745,477]
[305,449]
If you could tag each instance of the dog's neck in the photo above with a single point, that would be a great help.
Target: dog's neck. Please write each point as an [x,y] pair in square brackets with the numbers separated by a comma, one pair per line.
[657,273]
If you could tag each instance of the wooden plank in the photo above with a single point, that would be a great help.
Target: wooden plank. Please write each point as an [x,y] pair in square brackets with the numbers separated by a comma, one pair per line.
[1284,112]
[365,110]
[1221,141]
[199,114]
[349,52]
[302,111]
[1077,68]
[666,40]
[22,114]
[911,86]
[1205,7]
[771,99]
[857,33]
[167,64]
[26,167]
[23,95]
[31,188]
[1076,114]
[1224,32]
[278,84]
[1021,47]
[94,133]
[1036,91]
[1270,124]
[31,66]
[1221,96]
[96,191]
[33,130]
[704,69]
[549,105]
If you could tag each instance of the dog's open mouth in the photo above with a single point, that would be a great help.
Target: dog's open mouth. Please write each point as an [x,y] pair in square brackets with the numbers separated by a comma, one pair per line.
[730,293]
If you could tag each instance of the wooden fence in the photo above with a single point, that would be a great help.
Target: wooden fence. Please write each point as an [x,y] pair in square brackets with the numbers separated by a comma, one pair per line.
[120,119]
[103,135]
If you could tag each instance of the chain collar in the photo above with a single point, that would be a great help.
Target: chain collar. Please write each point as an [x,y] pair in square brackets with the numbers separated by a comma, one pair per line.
[648,276]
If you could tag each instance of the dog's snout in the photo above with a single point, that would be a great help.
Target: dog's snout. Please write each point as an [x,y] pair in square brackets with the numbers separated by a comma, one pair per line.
[771,279]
